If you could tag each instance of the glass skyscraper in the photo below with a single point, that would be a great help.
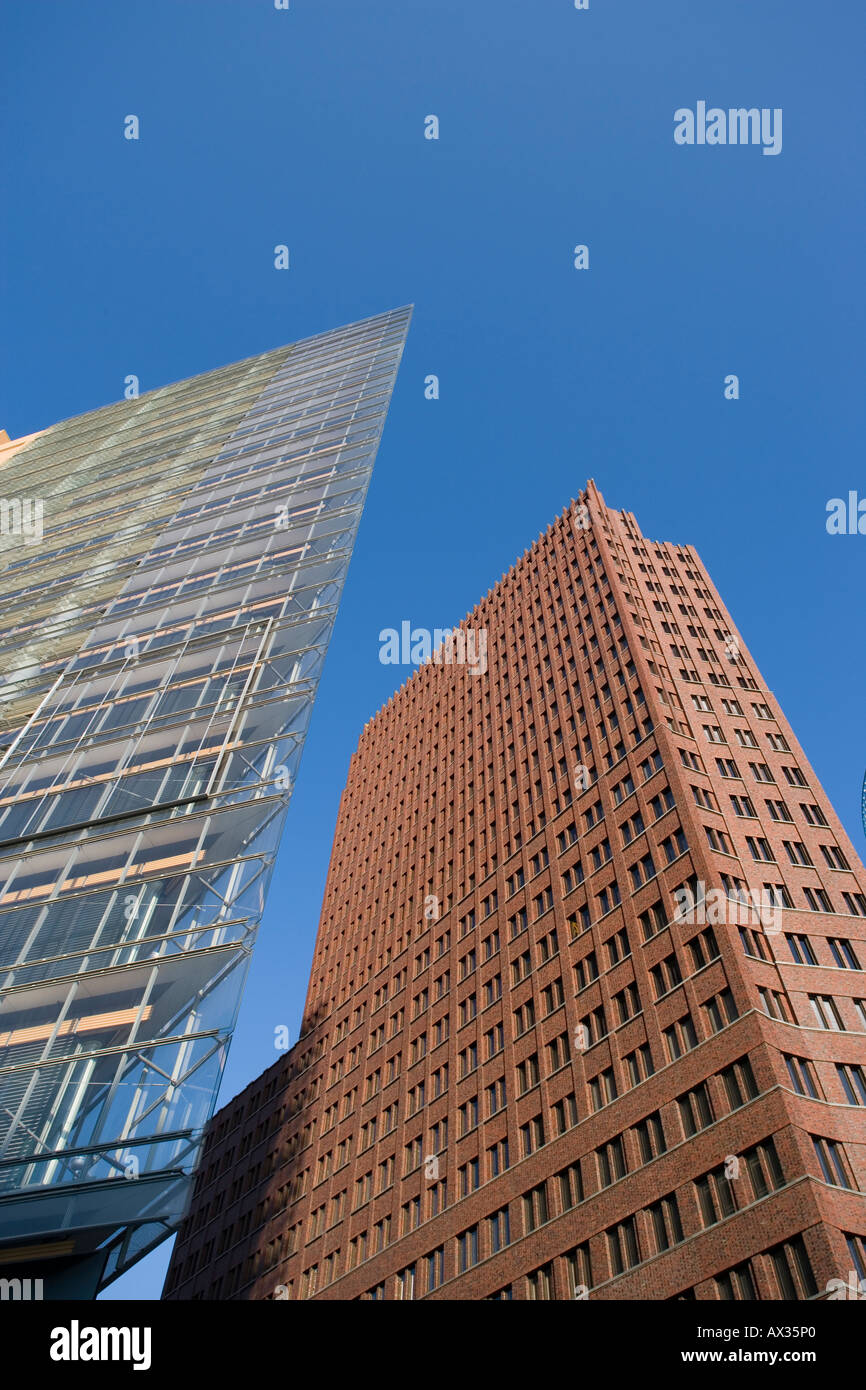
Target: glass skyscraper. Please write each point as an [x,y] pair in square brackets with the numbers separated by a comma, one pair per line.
[170,571]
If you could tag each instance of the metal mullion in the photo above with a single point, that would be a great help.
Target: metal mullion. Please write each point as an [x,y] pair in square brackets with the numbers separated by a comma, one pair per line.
[105,1104]
[35,715]
[219,1041]
[255,667]
[94,949]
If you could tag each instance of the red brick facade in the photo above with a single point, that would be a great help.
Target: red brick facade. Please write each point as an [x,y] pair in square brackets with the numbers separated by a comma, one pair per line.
[526,1071]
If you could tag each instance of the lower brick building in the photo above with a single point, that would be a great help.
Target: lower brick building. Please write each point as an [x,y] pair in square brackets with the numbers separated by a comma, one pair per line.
[587,1010]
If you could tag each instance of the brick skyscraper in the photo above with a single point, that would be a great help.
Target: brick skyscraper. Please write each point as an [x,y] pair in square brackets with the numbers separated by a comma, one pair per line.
[587,1009]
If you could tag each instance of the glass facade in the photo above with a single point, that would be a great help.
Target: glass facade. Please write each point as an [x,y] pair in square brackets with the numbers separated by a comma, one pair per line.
[160,651]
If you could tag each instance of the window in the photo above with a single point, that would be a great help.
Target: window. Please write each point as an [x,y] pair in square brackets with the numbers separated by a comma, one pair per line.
[853,1079]
[557,1053]
[527,1074]
[715,1196]
[602,1089]
[581,921]
[703,798]
[531,1136]
[494,1040]
[720,1010]
[467,1116]
[857,1251]
[759,848]
[831,1160]
[468,1177]
[578,1271]
[438,1196]
[764,1168]
[641,871]
[539,1284]
[618,947]
[777,895]
[737,1284]
[570,1185]
[440,1086]
[565,1114]
[495,1093]
[467,1249]
[696,1112]
[548,946]
[608,898]
[775,1004]
[499,1230]
[490,944]
[492,990]
[825,1011]
[364,1188]
[653,920]
[534,1208]
[631,828]
[543,902]
[665,976]
[552,997]
[410,1215]
[572,878]
[594,1027]
[793,1271]
[639,1064]
[680,1037]
[666,1224]
[524,1018]
[466,965]
[753,943]
[622,790]
[834,858]
[761,772]
[521,968]
[802,1075]
[843,953]
[611,1162]
[623,1246]
[468,1009]
[797,853]
[718,840]
[585,971]
[674,845]
[434,1263]
[627,1003]
[650,1137]
[661,803]
[800,948]
[703,948]
[518,923]
[569,836]
[497,1158]
[818,900]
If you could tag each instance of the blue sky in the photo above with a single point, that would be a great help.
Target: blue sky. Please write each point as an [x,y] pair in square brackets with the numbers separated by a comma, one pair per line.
[306,127]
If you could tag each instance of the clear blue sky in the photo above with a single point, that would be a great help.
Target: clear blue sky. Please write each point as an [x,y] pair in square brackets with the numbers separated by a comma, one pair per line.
[306,127]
